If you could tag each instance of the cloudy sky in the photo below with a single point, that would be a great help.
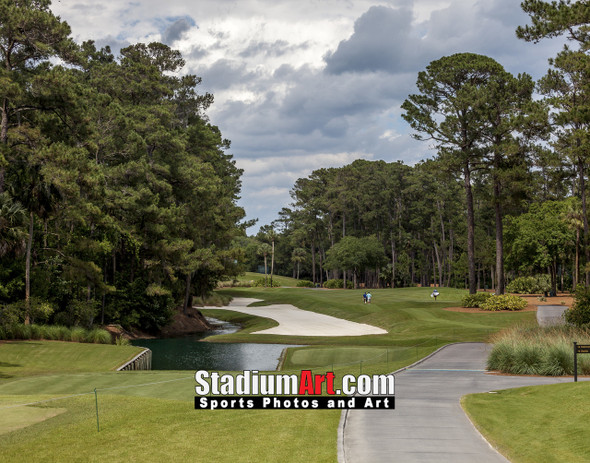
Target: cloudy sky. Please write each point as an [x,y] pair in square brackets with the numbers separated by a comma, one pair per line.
[304,84]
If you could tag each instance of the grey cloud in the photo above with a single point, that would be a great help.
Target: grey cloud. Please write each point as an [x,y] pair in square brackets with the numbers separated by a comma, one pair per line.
[276,48]
[382,41]
[115,44]
[175,30]
[224,74]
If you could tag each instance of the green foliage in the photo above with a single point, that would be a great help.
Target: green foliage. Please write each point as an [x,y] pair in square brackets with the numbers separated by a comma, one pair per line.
[305,284]
[534,350]
[579,313]
[261,282]
[356,254]
[120,177]
[54,333]
[121,341]
[530,285]
[338,283]
[98,336]
[474,300]
[503,302]
[552,19]
[131,306]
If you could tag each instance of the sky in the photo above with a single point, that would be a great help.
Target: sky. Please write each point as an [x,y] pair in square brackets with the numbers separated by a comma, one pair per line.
[305,84]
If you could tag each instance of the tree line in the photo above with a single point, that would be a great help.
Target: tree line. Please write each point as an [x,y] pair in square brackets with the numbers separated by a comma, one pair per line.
[118,199]
[506,191]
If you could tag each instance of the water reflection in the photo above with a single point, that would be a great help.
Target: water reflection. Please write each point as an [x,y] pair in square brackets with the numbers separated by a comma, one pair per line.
[187,353]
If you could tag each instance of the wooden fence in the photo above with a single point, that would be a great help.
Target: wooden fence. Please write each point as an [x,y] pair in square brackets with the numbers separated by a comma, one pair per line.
[142,361]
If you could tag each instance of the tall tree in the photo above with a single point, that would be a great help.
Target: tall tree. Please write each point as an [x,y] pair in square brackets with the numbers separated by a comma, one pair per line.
[30,35]
[450,109]
[555,18]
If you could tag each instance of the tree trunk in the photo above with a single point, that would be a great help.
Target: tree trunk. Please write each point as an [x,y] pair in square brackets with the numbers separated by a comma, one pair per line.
[392,261]
[439,264]
[313,262]
[3,138]
[265,271]
[500,289]
[187,294]
[585,216]
[577,267]
[28,271]
[272,262]
[470,231]
[451,256]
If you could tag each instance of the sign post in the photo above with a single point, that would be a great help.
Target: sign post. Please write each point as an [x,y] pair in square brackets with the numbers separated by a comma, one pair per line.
[579,349]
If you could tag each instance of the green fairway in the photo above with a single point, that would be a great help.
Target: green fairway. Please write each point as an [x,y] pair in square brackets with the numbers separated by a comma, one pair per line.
[22,358]
[409,315]
[533,424]
[134,429]
[141,410]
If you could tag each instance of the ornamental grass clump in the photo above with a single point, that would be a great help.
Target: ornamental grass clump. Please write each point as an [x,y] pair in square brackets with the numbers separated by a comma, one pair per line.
[536,350]
[503,302]
[98,336]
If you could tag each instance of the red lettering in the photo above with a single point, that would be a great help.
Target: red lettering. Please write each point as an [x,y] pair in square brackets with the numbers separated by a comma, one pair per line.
[319,379]
[306,383]
[330,383]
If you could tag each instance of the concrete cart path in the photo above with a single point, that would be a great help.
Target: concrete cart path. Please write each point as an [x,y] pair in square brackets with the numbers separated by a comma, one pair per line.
[548,315]
[428,423]
[296,322]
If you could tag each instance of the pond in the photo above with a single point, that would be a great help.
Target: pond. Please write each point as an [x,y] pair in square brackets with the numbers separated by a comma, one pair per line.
[187,353]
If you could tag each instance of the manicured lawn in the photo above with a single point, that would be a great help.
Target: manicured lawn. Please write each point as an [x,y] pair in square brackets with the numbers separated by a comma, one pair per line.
[253,276]
[22,358]
[149,416]
[134,429]
[410,316]
[534,424]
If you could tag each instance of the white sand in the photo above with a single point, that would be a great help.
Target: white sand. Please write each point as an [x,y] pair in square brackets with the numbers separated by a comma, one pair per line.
[296,322]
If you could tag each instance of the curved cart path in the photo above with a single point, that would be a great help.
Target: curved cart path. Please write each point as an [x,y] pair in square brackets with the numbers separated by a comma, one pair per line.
[548,315]
[428,423]
[296,322]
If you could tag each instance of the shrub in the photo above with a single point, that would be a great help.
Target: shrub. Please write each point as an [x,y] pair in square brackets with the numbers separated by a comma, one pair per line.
[579,313]
[504,302]
[305,284]
[530,285]
[261,282]
[475,300]
[338,283]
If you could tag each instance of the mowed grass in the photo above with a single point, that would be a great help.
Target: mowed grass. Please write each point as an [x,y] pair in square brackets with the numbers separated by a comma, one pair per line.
[535,424]
[409,315]
[253,276]
[23,358]
[150,416]
[134,429]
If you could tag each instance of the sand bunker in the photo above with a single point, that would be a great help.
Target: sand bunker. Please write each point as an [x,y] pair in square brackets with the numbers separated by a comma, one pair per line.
[296,322]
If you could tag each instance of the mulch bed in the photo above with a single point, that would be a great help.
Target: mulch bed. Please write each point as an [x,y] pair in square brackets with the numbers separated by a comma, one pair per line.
[532,299]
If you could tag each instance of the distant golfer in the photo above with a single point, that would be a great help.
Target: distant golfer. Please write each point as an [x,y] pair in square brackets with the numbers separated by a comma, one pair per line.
[369,298]
[365,297]
[434,294]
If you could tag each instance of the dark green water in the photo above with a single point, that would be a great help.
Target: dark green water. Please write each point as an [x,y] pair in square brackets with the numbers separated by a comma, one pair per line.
[187,353]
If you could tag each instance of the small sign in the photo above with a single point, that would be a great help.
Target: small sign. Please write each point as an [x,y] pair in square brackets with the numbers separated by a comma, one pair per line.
[579,349]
